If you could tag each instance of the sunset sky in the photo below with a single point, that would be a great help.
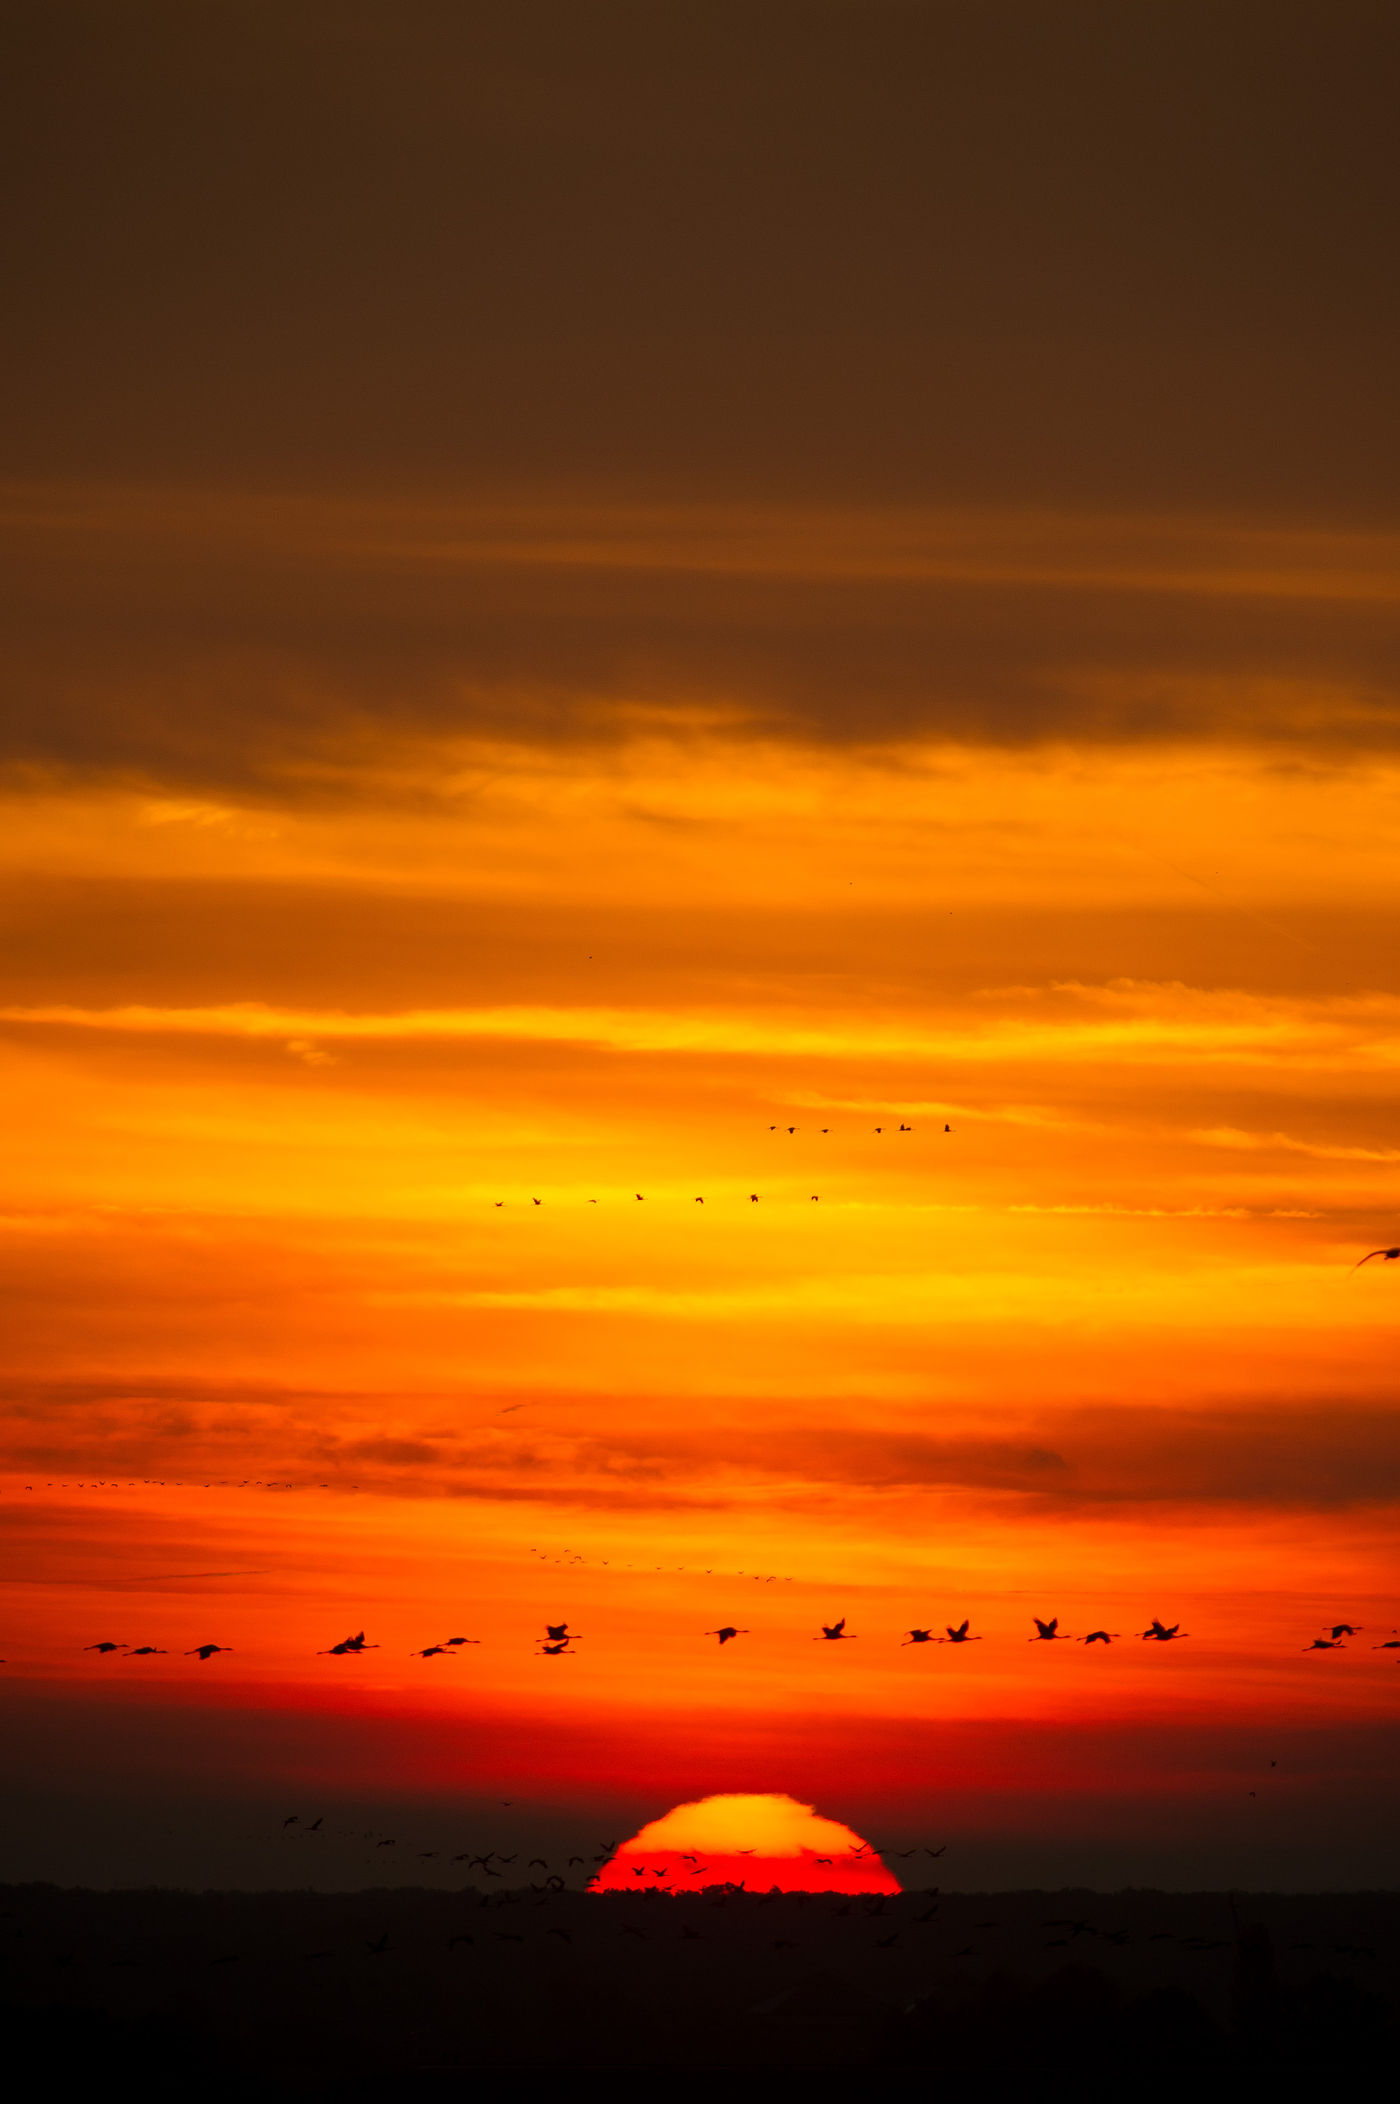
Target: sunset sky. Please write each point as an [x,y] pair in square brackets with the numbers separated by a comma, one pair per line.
[584,587]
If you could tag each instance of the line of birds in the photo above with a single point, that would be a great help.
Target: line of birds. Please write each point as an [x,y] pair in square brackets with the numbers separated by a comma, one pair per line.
[822,1131]
[558,1640]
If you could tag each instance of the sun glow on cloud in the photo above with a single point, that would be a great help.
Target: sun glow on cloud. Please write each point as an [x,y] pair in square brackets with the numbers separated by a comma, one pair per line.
[694,1163]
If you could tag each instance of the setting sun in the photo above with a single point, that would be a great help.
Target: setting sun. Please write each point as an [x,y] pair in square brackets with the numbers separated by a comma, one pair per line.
[757,1841]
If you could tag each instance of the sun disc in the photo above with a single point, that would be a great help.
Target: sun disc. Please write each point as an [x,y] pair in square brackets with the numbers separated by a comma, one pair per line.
[757,1841]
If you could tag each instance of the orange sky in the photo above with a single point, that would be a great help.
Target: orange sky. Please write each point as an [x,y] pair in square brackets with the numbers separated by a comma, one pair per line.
[421,887]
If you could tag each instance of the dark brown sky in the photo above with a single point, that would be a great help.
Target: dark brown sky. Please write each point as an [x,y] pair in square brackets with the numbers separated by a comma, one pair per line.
[1061,253]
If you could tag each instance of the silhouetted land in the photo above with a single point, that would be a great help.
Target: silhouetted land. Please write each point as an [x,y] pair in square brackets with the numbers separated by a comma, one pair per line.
[304,1994]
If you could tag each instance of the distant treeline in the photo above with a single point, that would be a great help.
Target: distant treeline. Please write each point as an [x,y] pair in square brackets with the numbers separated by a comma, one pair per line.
[313,1995]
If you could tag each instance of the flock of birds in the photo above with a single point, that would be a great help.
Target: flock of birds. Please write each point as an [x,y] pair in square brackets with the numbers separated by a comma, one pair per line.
[822,1131]
[559,1641]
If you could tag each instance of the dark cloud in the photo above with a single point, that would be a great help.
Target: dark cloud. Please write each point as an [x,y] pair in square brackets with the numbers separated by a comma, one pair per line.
[1271,1455]
[293,648]
[818,251]
[1005,250]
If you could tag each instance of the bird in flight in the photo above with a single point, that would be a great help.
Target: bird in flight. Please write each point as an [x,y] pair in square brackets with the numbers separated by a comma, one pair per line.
[1344,1629]
[1387,1256]
[104,1647]
[726,1633]
[206,1651]
[559,1650]
[453,1640]
[558,1633]
[753,1198]
[836,1634]
[1325,1643]
[1160,1634]
[146,1651]
[1099,1636]
[918,1636]
[347,1645]
[1048,1632]
[432,1651]
[958,1635]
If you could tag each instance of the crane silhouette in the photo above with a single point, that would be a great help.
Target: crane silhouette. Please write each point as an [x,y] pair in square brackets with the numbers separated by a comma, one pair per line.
[1099,1636]
[958,1635]
[726,1634]
[1387,1256]
[918,1636]
[1160,1634]
[836,1634]
[1048,1632]
[347,1647]
[207,1651]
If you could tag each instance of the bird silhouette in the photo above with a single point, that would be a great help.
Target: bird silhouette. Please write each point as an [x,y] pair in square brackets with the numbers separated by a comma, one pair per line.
[1099,1636]
[726,1634]
[699,1201]
[453,1640]
[1392,1643]
[558,1633]
[1387,1256]
[431,1651]
[958,1635]
[836,1634]
[1160,1634]
[560,1650]
[1048,1632]
[1344,1629]
[918,1636]
[206,1651]
[1325,1643]
[146,1651]
[105,1647]
[347,1646]
[753,1198]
